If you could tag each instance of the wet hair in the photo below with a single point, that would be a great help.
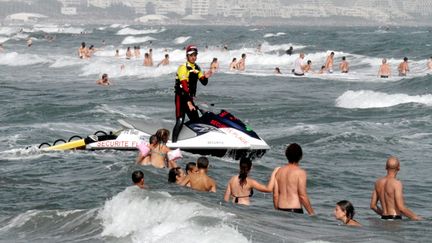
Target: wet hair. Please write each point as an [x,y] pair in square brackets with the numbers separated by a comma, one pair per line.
[234,59]
[243,55]
[344,58]
[202,163]
[153,139]
[294,153]
[189,166]
[332,53]
[309,62]
[146,54]
[137,176]
[128,48]
[83,44]
[245,166]
[348,208]
[104,75]
[172,174]
[166,55]
[117,50]
[214,59]
[405,59]
[162,135]
[322,67]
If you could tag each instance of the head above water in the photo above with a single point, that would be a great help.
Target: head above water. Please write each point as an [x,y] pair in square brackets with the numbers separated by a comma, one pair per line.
[347,208]
[343,58]
[384,60]
[202,163]
[104,76]
[191,167]
[162,135]
[153,139]
[137,176]
[294,153]
[174,173]
[405,59]
[393,163]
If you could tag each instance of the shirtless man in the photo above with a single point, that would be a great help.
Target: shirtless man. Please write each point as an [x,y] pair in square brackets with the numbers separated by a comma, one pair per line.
[128,53]
[289,192]
[200,181]
[344,65]
[329,63]
[165,61]
[403,67]
[429,64]
[389,192]
[104,80]
[384,70]
[1,47]
[147,60]
[82,51]
[241,64]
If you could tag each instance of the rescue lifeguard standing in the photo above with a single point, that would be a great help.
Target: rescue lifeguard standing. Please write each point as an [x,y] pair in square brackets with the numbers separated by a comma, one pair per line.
[186,82]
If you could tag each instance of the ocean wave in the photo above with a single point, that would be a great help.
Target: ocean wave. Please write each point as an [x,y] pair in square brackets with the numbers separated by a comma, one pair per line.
[181,39]
[16,59]
[274,35]
[146,216]
[131,31]
[3,39]
[135,40]
[365,99]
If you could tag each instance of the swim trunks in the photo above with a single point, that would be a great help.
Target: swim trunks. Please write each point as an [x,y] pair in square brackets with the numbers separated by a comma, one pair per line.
[344,71]
[391,217]
[299,74]
[384,76]
[292,210]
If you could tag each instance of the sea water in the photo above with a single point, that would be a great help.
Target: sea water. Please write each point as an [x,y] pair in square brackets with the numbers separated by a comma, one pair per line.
[347,125]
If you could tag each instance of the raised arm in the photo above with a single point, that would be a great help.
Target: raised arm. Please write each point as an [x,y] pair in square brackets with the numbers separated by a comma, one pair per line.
[269,187]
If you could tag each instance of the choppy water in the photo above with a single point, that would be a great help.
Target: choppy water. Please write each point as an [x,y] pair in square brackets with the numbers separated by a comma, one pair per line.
[346,124]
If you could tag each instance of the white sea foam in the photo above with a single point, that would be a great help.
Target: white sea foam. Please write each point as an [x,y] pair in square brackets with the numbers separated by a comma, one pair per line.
[60,29]
[131,31]
[8,31]
[134,40]
[16,59]
[364,99]
[146,216]
[65,61]
[3,39]
[181,39]
[274,35]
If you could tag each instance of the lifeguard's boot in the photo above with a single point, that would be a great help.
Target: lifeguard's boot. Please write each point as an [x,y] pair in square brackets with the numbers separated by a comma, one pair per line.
[177,128]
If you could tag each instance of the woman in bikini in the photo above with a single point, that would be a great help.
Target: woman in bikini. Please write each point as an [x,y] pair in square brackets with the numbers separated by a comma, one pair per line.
[159,153]
[240,187]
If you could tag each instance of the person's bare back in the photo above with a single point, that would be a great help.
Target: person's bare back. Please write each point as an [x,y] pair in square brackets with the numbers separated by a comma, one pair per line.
[389,192]
[289,192]
[202,182]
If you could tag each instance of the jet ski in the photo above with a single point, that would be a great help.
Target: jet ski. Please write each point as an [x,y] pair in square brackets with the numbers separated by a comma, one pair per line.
[213,134]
